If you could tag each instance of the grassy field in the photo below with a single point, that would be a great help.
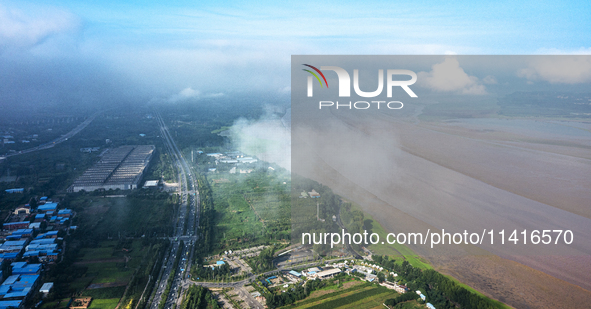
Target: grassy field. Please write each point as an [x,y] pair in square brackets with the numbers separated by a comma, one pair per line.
[109,264]
[397,250]
[250,208]
[270,208]
[109,303]
[146,212]
[394,250]
[358,296]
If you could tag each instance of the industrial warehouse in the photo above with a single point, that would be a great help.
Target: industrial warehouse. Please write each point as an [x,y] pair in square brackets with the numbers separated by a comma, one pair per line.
[119,168]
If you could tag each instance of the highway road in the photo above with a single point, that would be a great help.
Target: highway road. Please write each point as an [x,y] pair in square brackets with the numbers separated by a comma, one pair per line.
[60,139]
[186,236]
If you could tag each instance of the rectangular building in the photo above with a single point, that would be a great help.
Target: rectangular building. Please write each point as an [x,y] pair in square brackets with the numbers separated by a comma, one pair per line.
[119,168]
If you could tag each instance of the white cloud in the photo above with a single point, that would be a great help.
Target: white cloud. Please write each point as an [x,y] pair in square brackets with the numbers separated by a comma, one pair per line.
[448,76]
[267,138]
[19,28]
[187,93]
[490,80]
[285,90]
[558,69]
[190,93]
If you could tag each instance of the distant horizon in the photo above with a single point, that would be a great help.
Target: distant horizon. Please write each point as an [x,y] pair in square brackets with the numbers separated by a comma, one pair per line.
[97,52]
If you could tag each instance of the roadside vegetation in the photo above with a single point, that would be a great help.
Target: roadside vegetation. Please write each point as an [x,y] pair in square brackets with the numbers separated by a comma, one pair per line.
[198,297]
[116,252]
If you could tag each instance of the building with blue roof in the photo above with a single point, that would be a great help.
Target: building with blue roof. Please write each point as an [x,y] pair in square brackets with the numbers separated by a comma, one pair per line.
[30,254]
[64,212]
[5,304]
[4,289]
[42,247]
[430,306]
[295,273]
[9,256]
[220,263]
[15,243]
[43,241]
[10,280]
[47,207]
[48,235]
[18,264]
[24,281]
[43,198]
[24,232]
[23,268]
[16,225]
[15,190]
[17,294]
[13,246]
[18,287]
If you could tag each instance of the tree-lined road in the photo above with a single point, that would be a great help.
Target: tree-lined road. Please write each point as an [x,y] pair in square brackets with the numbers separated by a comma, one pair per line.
[189,206]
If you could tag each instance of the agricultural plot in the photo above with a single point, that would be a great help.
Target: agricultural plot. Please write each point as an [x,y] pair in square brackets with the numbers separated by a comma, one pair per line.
[235,221]
[111,264]
[250,209]
[360,296]
[106,271]
[272,209]
[137,215]
[110,303]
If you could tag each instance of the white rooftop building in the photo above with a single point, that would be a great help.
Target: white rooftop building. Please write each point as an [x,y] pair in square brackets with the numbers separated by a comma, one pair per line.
[46,287]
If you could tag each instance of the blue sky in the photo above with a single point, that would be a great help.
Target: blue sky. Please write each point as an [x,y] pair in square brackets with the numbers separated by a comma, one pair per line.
[157,49]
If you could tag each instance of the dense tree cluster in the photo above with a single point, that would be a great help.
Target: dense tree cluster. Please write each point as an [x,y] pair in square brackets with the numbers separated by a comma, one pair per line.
[211,273]
[294,294]
[264,261]
[198,297]
[440,291]
[304,211]
[391,302]
[206,216]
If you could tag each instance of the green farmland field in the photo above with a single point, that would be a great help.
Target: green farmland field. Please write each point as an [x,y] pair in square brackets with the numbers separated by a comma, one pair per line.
[361,296]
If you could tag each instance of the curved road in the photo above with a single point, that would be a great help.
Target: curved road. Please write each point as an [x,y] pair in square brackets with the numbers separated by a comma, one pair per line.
[60,139]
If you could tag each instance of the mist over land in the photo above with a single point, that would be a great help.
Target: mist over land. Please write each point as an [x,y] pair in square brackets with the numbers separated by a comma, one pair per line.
[438,164]
[468,156]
